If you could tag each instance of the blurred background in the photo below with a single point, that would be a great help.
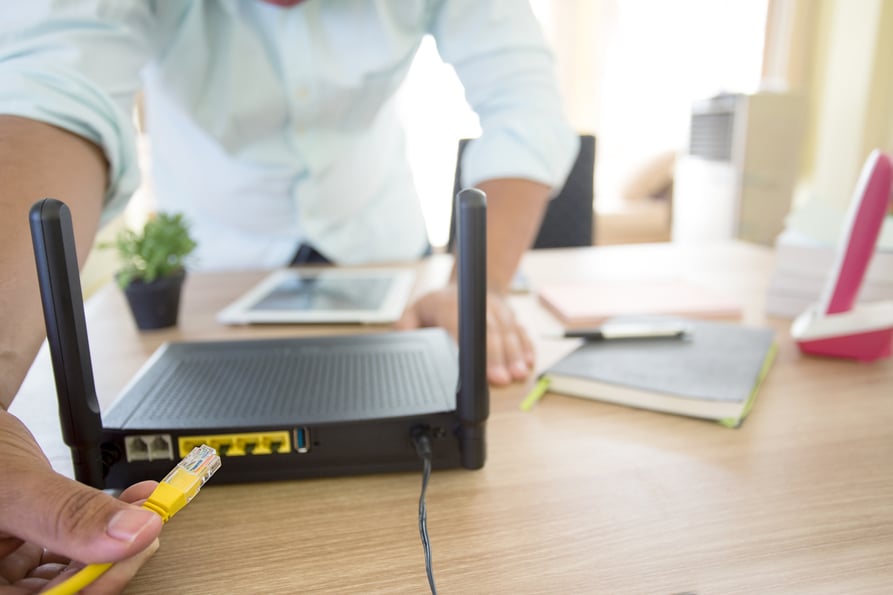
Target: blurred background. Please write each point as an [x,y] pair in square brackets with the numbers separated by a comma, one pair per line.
[713,119]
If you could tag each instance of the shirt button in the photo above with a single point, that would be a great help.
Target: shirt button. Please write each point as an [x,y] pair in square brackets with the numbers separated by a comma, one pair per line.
[302,93]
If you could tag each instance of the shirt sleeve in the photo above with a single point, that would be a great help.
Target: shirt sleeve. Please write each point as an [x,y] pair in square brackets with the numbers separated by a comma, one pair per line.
[76,65]
[506,67]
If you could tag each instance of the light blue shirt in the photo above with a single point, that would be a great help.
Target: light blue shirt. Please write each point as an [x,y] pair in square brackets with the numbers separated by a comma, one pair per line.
[273,126]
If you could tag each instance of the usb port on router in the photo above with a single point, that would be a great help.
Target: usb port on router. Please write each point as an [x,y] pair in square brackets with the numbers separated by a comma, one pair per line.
[302,440]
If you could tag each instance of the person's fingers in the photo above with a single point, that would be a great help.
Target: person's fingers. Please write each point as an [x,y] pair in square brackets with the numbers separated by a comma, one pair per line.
[17,564]
[524,357]
[115,578]
[121,573]
[40,506]
[138,492]
[79,522]
[527,347]
[32,567]
[8,545]
[497,370]
[509,351]
[512,340]
[26,586]
[409,320]
[436,308]
[47,571]
[53,558]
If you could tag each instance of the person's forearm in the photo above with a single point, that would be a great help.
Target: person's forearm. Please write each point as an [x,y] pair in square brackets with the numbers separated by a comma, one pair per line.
[515,209]
[37,160]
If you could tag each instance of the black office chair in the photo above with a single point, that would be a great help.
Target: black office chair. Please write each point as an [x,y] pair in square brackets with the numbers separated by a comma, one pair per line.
[569,218]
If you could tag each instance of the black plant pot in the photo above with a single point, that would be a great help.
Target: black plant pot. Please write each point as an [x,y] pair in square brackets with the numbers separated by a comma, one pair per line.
[157,304]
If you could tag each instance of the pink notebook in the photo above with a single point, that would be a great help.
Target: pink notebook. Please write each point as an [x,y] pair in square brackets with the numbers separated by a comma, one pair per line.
[591,303]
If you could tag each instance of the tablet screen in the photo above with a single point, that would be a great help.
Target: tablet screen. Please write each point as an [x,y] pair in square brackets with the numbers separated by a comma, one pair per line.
[324,295]
[313,292]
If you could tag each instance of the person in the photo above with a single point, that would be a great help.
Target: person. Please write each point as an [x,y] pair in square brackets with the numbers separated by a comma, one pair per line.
[273,128]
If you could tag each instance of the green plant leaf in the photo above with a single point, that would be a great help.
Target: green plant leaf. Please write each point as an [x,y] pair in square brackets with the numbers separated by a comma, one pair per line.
[158,250]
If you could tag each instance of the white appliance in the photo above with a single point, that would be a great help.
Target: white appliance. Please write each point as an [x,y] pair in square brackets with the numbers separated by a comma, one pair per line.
[736,179]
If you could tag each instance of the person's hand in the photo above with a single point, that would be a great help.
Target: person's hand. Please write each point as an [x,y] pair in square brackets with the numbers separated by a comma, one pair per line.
[46,520]
[510,354]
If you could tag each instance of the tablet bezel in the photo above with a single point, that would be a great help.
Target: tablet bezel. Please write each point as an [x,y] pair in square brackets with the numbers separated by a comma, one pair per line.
[391,308]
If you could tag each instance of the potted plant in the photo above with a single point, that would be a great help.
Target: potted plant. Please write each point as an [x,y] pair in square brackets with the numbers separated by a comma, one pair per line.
[153,268]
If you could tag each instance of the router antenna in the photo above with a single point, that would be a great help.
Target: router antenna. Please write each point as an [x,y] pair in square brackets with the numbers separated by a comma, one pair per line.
[63,311]
[473,396]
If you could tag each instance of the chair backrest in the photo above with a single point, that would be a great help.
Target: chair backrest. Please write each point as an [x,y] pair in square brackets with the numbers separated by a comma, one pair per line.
[569,218]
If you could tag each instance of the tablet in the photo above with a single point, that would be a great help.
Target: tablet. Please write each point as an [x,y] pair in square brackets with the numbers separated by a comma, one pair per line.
[327,295]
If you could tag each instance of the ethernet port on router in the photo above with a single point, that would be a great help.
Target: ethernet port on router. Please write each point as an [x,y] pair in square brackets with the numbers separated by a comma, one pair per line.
[186,446]
[161,447]
[236,449]
[136,449]
[262,447]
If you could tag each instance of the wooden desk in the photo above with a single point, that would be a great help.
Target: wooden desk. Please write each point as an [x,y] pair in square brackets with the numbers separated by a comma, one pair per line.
[576,496]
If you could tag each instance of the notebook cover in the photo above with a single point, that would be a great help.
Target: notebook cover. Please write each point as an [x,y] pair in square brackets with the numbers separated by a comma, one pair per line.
[712,373]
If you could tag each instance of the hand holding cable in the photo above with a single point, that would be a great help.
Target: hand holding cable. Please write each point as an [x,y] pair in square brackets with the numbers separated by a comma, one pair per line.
[174,492]
[43,509]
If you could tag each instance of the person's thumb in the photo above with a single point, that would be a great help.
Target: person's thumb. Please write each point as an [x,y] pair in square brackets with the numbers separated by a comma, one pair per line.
[60,514]
[77,521]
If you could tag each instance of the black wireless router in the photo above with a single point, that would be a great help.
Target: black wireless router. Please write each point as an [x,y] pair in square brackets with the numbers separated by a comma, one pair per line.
[275,409]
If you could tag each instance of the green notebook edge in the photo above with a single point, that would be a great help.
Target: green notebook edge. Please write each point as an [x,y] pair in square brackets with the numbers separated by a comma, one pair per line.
[735,422]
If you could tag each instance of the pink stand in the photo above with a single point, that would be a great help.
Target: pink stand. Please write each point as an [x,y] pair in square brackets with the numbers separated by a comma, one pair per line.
[864,333]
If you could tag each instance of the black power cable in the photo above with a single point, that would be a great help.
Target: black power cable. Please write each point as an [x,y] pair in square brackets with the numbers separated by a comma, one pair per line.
[422,443]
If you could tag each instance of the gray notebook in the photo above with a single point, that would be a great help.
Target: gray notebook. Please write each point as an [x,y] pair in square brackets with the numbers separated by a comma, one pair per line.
[712,372]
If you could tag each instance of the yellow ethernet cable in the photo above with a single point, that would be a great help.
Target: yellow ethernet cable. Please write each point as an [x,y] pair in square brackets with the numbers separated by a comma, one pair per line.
[174,492]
